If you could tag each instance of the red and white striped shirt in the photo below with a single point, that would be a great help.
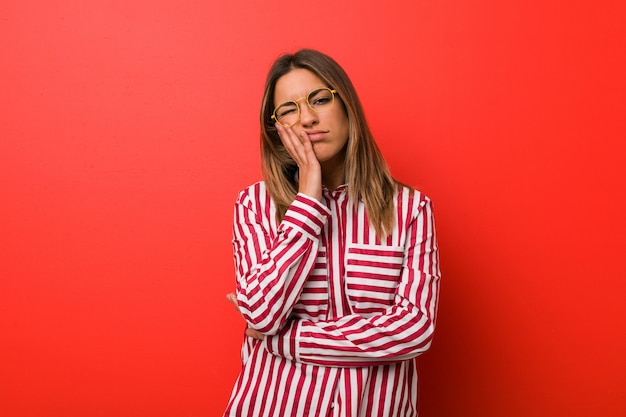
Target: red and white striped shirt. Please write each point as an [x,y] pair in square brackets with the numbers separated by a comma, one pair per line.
[344,313]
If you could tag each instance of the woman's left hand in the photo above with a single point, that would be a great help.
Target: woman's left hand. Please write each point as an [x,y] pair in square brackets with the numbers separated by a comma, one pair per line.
[250,332]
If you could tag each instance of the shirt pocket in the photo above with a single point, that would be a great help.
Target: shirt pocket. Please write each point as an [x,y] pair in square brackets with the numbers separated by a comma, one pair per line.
[313,302]
[372,277]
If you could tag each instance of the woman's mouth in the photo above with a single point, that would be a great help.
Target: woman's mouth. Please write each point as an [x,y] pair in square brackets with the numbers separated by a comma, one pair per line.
[316,135]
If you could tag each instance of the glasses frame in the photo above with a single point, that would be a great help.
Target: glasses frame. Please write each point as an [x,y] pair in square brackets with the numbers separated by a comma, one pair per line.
[333,92]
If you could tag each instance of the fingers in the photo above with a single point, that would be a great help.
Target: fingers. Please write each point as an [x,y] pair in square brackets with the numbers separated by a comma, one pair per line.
[298,146]
[233,300]
[291,142]
[254,334]
[250,332]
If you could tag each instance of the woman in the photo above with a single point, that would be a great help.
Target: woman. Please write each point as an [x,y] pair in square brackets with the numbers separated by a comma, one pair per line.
[336,262]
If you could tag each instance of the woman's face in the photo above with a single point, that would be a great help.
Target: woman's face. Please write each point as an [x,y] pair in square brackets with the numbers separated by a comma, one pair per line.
[328,130]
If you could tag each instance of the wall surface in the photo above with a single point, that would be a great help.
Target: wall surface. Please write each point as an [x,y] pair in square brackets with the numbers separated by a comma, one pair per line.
[128,127]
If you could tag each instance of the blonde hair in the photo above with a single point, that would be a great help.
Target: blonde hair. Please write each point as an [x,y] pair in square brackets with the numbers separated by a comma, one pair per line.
[367,174]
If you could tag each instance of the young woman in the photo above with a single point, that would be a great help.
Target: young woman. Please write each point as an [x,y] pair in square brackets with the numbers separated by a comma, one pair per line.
[336,262]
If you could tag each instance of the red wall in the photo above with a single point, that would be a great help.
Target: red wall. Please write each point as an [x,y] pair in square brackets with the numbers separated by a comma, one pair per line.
[128,127]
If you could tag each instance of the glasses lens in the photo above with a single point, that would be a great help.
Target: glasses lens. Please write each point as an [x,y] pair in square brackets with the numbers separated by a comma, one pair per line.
[320,100]
[287,113]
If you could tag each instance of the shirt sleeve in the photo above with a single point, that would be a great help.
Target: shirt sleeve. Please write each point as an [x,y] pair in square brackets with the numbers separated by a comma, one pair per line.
[403,331]
[271,271]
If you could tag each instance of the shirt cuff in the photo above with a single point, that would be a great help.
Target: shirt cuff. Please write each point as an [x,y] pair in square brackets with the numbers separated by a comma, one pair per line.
[306,214]
[285,342]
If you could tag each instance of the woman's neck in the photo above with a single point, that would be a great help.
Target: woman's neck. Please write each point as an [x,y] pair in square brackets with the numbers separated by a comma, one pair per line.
[333,175]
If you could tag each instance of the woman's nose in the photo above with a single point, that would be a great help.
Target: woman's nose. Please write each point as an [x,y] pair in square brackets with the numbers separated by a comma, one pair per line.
[308,117]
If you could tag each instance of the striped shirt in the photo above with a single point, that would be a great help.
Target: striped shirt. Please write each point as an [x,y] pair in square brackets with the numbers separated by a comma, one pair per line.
[344,313]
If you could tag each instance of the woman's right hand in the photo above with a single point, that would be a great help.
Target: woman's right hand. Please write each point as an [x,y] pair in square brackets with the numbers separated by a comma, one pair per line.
[301,150]
[250,332]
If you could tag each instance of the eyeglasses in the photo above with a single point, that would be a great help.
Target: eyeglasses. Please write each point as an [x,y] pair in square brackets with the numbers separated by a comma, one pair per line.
[318,100]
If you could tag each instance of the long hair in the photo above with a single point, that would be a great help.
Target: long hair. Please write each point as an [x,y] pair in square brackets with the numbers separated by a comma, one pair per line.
[367,174]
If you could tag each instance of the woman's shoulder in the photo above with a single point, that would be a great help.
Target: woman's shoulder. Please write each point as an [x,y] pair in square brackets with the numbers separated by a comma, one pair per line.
[253,193]
[411,196]
[405,190]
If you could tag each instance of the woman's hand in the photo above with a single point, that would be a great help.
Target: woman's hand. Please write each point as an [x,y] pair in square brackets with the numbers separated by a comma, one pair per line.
[249,331]
[301,150]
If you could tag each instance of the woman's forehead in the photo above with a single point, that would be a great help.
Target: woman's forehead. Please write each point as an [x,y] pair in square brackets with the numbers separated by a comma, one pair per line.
[295,84]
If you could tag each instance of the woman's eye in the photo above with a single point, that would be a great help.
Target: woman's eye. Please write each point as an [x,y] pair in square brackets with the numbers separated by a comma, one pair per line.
[320,97]
[321,100]
[285,112]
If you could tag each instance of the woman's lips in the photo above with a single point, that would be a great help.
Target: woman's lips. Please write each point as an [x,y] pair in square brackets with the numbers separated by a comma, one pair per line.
[316,135]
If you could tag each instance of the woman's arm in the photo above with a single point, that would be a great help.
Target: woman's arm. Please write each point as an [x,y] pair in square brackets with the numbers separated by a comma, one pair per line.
[403,331]
[271,271]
